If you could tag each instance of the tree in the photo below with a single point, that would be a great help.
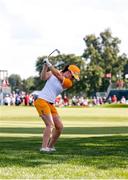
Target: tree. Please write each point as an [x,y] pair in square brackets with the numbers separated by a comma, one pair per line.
[28,85]
[15,82]
[102,57]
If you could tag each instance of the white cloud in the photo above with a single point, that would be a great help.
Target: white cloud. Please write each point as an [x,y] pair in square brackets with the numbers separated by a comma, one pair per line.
[31,28]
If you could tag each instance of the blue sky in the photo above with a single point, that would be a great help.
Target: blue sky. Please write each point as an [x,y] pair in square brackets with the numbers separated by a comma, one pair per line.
[32,28]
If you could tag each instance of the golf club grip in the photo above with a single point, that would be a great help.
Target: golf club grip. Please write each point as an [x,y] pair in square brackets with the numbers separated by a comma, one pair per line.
[43,62]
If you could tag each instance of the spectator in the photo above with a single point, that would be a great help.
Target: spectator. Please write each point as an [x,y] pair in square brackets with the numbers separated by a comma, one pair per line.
[18,100]
[58,100]
[7,100]
[94,101]
[74,101]
[114,99]
[123,100]
[13,98]
[66,100]
[109,100]
[31,100]
[26,100]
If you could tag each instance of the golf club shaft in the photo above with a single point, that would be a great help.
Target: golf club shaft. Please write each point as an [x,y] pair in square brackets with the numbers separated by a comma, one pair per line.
[53,52]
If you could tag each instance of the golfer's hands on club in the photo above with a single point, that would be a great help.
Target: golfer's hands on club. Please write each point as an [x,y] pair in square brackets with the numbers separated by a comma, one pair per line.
[46,61]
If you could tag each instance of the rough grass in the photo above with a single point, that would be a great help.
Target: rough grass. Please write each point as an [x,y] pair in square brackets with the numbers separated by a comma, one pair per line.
[94,144]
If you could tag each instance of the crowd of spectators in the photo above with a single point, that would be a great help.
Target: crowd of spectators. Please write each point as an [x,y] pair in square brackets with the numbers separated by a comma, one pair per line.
[61,101]
[18,99]
[88,102]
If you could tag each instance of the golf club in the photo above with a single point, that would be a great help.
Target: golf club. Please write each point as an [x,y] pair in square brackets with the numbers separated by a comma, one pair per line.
[55,50]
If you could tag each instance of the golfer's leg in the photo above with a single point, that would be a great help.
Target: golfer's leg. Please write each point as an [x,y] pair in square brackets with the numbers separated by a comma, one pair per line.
[48,129]
[56,132]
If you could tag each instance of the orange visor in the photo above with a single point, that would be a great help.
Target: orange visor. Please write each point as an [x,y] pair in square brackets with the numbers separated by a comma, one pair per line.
[75,71]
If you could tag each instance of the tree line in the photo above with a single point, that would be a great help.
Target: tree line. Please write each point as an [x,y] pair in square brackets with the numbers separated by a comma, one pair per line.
[101,63]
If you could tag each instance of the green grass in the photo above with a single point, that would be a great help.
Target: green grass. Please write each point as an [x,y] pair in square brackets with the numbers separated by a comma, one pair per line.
[94,144]
[115,105]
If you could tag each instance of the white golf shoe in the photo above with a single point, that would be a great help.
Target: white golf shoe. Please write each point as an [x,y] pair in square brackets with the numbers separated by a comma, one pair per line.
[52,149]
[45,149]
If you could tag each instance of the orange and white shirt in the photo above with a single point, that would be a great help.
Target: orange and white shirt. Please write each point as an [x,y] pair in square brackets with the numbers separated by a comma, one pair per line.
[53,88]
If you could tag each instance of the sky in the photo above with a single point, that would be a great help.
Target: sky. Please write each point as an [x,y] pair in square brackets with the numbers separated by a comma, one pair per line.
[33,28]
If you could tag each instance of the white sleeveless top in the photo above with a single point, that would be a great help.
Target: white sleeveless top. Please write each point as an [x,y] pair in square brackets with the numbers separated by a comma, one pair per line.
[51,90]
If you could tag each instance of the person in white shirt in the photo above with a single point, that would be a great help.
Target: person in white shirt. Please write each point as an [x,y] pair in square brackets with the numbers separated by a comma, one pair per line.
[57,82]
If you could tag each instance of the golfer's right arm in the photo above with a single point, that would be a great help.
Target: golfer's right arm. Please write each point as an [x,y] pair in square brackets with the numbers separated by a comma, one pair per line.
[54,71]
[44,74]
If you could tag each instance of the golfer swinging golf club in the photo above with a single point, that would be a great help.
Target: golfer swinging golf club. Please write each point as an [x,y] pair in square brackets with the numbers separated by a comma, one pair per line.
[56,82]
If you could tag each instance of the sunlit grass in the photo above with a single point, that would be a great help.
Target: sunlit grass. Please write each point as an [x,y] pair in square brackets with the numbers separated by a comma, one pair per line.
[94,144]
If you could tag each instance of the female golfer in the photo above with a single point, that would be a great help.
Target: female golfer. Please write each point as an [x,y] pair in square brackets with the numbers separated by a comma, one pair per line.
[57,81]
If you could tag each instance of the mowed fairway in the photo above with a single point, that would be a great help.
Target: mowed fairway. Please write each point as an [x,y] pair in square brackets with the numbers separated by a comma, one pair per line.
[94,144]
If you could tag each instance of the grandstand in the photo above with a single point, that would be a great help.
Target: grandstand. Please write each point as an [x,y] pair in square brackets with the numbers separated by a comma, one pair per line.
[119,89]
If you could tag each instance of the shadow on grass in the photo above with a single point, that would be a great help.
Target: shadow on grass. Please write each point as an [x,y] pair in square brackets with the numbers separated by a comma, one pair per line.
[70,130]
[101,152]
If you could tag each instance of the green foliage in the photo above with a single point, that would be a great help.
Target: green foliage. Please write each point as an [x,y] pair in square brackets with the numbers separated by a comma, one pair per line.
[32,84]
[38,83]
[28,85]
[15,81]
[102,57]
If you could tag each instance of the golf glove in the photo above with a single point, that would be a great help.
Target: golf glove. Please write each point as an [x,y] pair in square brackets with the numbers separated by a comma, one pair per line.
[46,61]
